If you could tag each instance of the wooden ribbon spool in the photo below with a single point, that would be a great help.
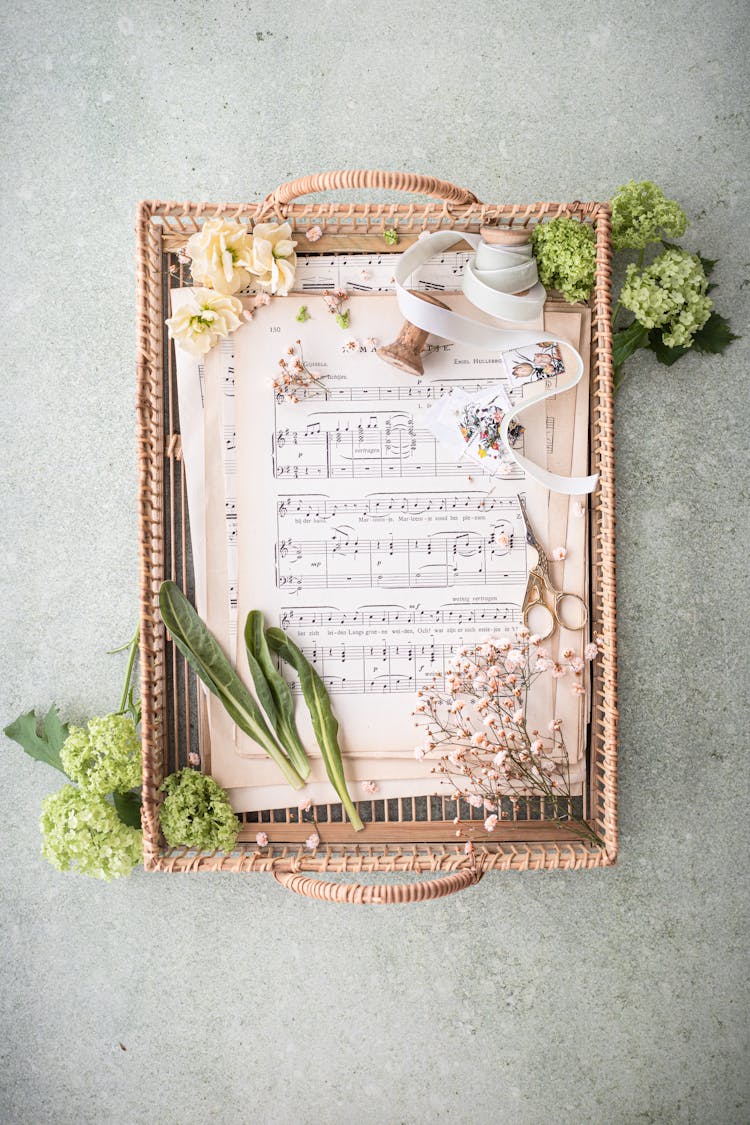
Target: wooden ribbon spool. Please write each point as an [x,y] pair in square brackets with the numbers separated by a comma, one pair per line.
[406,350]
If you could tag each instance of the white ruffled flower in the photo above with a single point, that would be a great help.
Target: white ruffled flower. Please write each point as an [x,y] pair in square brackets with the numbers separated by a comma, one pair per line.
[274,260]
[221,254]
[204,319]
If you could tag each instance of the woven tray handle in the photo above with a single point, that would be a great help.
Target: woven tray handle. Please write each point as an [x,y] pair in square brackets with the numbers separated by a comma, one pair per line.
[381,893]
[362,178]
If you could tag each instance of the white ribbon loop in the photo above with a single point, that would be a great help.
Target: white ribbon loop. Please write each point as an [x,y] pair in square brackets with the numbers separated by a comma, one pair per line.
[485,281]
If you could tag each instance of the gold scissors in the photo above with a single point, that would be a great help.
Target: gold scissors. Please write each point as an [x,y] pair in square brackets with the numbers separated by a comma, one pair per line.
[564,609]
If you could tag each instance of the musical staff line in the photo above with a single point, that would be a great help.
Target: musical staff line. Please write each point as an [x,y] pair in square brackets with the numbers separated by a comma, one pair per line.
[396,450]
[385,504]
[495,613]
[443,559]
[348,669]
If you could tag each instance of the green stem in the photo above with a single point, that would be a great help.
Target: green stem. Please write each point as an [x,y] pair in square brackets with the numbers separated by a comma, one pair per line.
[132,652]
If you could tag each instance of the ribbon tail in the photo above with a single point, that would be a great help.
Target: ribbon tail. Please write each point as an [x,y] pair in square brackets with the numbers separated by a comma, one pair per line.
[568,486]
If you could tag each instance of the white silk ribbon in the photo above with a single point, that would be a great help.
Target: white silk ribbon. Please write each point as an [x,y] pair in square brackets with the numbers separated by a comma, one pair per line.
[489,282]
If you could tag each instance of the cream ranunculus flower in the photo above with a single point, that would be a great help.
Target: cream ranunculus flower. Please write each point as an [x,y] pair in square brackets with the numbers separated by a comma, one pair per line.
[274,260]
[204,319]
[221,253]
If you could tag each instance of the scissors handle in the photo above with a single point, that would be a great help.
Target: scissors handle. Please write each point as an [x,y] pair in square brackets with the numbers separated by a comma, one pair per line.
[569,611]
[575,615]
[534,600]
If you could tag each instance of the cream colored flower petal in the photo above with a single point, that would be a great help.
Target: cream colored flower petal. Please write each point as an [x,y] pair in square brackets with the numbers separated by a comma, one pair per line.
[283,248]
[266,231]
[227,263]
[265,281]
[283,276]
[262,255]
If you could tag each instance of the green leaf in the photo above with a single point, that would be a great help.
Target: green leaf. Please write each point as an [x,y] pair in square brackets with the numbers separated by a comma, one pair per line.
[41,742]
[325,723]
[202,651]
[128,807]
[627,341]
[715,335]
[663,353]
[274,692]
[713,338]
[708,264]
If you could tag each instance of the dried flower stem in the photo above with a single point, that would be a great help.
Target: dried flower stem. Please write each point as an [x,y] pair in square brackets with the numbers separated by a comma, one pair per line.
[295,376]
[476,721]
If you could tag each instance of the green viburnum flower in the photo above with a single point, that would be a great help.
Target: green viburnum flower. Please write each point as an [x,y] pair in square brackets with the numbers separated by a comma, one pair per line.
[670,294]
[197,813]
[641,213]
[565,252]
[390,234]
[105,757]
[82,831]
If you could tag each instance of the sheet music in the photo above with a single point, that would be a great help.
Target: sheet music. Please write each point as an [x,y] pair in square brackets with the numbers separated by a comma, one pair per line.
[378,554]
[322,606]
[358,273]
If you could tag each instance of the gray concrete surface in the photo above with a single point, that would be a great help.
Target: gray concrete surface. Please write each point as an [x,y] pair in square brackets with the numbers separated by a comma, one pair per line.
[608,998]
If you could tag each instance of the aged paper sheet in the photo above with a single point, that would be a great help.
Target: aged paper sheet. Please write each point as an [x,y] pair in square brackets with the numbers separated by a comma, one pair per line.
[354,498]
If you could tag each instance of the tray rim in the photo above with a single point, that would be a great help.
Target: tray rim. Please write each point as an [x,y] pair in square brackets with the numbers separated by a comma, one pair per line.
[161,221]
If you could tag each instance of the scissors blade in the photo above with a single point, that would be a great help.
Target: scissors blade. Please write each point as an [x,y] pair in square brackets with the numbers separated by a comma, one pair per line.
[530,537]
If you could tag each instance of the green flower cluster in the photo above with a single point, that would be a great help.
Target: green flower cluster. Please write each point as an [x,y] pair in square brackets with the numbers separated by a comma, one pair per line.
[82,831]
[565,252]
[641,213]
[105,757]
[196,813]
[670,294]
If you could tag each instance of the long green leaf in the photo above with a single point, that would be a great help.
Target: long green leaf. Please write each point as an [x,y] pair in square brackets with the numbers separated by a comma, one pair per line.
[274,692]
[43,739]
[203,653]
[323,719]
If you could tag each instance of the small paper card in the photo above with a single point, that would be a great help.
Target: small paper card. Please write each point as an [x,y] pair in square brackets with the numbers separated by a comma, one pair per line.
[469,425]
[542,360]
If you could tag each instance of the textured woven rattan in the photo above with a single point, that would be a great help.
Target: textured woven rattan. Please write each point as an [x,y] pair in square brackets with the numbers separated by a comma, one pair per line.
[414,835]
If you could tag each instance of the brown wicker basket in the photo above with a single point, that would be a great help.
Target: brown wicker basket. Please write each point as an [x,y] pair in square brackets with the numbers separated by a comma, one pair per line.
[411,835]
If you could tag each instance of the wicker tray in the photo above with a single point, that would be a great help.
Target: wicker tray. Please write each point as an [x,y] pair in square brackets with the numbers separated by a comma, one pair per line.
[409,835]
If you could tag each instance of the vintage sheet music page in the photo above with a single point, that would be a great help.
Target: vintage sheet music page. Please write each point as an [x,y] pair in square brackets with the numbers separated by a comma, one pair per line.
[376,550]
[357,489]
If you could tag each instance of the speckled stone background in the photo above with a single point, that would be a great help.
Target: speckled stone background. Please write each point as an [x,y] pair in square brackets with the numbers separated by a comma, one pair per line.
[611,997]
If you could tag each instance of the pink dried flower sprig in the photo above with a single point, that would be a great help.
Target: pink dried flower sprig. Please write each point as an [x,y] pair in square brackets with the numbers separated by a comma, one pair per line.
[335,302]
[475,720]
[295,377]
